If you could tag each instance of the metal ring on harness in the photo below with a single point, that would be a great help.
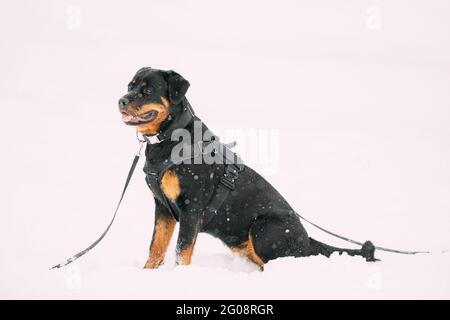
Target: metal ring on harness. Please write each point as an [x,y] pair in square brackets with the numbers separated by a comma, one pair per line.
[140,138]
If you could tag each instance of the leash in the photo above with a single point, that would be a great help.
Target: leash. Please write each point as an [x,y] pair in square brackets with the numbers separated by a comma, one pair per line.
[127,182]
[360,243]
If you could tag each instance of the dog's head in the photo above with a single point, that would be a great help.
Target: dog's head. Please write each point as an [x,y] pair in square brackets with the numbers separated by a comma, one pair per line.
[150,97]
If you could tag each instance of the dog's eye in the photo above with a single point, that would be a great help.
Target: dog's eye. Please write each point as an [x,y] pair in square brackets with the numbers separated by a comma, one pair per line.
[131,85]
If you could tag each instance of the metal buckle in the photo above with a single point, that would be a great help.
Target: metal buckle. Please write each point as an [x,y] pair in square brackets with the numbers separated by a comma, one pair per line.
[230,175]
[232,170]
[228,183]
[153,139]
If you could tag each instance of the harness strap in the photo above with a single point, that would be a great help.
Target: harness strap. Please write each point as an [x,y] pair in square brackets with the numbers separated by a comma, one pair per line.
[223,189]
[233,166]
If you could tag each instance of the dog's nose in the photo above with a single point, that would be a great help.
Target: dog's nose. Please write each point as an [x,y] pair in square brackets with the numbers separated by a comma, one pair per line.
[123,103]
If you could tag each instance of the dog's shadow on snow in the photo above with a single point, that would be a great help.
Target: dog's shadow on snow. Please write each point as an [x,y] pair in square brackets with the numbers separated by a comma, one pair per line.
[226,261]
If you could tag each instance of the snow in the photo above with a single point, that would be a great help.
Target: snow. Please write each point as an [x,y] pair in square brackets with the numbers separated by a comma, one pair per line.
[364,148]
[225,275]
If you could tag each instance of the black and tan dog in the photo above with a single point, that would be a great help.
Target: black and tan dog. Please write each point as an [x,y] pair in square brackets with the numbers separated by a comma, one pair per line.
[251,218]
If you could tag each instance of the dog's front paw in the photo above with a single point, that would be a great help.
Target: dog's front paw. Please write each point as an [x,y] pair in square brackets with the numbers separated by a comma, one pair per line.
[152,264]
[182,260]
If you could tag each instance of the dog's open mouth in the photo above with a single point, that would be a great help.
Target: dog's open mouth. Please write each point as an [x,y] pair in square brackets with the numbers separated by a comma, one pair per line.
[140,119]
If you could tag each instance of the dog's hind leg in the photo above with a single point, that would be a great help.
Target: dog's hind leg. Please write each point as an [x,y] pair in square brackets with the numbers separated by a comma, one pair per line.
[247,250]
[367,251]
[276,236]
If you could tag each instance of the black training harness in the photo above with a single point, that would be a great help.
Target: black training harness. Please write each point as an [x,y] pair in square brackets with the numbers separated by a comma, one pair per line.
[232,167]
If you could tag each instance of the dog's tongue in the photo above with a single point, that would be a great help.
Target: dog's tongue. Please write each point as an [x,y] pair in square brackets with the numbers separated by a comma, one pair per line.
[127,117]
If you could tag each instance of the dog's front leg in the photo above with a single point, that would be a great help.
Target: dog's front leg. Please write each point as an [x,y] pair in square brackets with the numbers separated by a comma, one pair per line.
[162,233]
[189,229]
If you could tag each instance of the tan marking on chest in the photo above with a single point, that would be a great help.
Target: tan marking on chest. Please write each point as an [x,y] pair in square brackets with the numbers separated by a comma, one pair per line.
[170,185]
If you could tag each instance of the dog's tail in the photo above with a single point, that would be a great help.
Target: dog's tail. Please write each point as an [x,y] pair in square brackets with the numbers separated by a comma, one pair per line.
[367,250]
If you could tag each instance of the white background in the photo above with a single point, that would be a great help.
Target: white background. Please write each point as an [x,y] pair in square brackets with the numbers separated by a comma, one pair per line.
[358,91]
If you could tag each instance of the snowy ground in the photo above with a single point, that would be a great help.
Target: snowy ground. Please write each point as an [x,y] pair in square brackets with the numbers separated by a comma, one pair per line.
[362,116]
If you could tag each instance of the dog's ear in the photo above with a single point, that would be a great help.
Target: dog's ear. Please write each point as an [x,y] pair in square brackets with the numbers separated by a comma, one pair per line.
[177,86]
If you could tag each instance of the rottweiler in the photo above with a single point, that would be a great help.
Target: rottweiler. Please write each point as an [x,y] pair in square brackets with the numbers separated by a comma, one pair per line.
[227,200]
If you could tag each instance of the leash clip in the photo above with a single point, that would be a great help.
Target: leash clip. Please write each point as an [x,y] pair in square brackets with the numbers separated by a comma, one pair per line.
[142,141]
